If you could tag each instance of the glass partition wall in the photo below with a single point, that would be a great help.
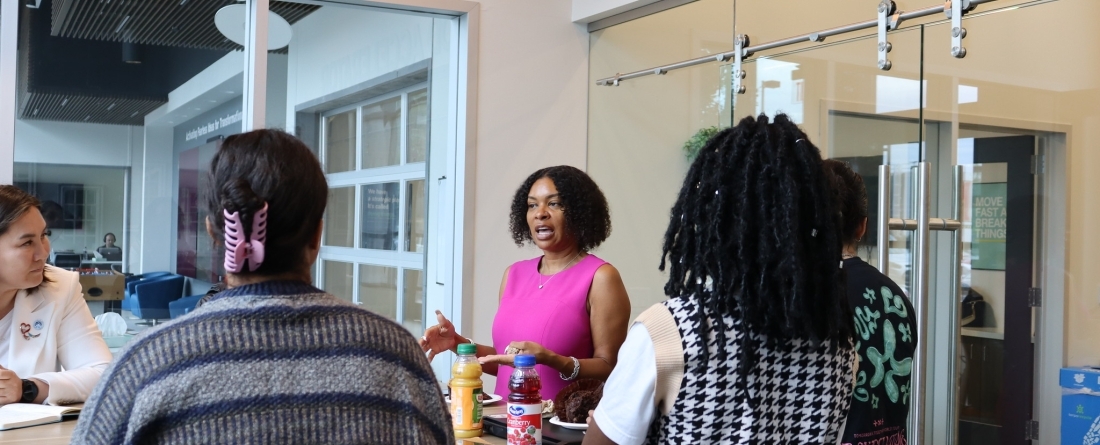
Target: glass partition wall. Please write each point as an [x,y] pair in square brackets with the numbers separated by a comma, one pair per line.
[1009,301]
[116,153]
[370,91]
[646,123]
[120,152]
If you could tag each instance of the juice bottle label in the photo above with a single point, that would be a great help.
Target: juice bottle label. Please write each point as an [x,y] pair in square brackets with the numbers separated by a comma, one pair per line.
[524,424]
[466,408]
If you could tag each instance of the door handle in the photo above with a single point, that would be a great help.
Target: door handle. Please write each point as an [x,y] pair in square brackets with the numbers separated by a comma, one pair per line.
[918,377]
[922,227]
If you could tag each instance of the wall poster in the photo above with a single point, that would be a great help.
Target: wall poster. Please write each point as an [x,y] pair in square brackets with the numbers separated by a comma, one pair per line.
[989,228]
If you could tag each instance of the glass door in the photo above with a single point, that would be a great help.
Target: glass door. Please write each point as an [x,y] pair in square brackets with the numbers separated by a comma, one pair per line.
[952,207]
[1011,126]
[870,118]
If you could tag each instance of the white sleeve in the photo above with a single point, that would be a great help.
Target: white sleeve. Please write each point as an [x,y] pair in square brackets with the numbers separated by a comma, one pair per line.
[81,351]
[628,405]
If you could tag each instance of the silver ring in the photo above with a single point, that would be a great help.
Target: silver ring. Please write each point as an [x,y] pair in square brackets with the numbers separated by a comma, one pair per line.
[511,350]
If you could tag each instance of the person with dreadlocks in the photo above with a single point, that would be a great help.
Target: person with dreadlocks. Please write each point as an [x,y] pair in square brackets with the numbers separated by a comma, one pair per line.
[885,322]
[754,343]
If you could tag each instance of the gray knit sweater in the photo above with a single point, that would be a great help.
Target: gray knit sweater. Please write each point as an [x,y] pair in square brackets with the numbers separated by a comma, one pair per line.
[275,362]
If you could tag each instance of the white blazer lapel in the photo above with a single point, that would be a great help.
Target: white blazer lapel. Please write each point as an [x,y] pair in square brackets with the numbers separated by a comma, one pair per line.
[29,326]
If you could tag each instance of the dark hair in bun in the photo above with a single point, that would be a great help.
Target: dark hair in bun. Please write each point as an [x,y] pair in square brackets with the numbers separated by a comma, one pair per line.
[274,167]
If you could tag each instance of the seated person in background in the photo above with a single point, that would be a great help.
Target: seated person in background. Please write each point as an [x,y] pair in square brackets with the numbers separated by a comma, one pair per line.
[271,359]
[754,344]
[886,326]
[109,250]
[573,323]
[45,326]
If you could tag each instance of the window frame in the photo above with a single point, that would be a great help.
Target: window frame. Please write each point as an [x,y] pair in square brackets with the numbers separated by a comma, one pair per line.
[402,174]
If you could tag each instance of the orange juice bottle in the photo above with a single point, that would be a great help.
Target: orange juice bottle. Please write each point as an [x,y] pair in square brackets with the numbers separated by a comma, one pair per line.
[466,392]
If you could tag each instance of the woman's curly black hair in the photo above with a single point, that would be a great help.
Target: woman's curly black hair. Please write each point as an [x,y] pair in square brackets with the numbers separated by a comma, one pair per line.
[754,235]
[587,217]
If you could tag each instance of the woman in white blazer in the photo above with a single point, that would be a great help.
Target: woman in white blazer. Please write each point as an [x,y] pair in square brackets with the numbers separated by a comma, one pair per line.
[50,348]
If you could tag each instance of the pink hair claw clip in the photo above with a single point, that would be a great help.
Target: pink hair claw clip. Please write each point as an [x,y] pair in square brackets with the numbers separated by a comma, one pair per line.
[237,248]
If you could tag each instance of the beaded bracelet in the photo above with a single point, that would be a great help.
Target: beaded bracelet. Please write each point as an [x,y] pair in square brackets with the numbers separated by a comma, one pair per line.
[576,370]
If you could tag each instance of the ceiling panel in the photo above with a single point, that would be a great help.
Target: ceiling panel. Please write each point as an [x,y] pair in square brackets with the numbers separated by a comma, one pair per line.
[181,23]
[92,109]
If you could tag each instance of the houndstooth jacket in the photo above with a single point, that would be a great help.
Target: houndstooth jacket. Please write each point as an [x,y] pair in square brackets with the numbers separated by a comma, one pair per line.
[802,390]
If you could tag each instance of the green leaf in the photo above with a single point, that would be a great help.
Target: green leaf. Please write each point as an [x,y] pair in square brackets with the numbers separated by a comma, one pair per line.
[697,141]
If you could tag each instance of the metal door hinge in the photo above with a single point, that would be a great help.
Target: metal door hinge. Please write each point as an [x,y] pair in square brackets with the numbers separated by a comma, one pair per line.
[1034,297]
[1038,164]
[1031,430]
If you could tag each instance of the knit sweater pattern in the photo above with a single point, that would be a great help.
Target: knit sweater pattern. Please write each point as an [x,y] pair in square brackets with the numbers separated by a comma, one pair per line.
[273,362]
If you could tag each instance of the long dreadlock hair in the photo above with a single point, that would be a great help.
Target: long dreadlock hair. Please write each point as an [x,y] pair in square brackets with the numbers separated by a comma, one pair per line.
[754,235]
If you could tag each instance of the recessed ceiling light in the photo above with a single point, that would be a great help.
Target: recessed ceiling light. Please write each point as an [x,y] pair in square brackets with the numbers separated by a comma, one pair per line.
[133,114]
[87,117]
[64,101]
[36,112]
[111,107]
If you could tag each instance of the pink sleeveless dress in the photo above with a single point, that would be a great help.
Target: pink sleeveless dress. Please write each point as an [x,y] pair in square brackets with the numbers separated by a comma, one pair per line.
[555,317]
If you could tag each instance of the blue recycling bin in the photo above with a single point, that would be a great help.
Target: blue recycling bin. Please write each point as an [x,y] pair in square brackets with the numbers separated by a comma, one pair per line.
[1080,406]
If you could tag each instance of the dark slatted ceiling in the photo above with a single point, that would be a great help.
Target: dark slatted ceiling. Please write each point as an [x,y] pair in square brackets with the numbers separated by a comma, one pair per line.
[186,23]
[75,108]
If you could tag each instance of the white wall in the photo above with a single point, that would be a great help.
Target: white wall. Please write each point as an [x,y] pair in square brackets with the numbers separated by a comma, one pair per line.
[276,91]
[532,113]
[157,201]
[338,47]
[73,143]
[585,11]
[137,169]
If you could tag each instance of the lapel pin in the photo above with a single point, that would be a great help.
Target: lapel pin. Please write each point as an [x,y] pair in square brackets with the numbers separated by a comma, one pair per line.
[25,329]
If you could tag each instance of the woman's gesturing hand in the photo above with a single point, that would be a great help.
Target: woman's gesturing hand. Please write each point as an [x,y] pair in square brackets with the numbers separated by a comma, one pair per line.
[439,338]
[542,355]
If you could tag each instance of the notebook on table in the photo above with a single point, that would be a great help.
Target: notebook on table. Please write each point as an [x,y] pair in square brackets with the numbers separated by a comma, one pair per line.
[551,434]
[19,415]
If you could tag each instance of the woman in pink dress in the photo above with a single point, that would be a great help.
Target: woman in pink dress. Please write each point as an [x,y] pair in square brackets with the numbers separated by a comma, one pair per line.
[567,307]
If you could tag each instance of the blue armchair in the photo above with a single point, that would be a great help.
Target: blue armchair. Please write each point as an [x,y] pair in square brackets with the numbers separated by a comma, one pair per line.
[151,297]
[184,305]
[131,281]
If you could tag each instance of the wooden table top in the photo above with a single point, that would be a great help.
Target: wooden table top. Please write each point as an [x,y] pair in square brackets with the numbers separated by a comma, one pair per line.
[60,433]
[49,434]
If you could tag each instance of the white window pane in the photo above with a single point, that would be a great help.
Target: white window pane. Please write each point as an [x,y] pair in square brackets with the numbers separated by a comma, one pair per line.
[382,133]
[340,217]
[413,301]
[416,208]
[381,206]
[417,144]
[340,142]
[378,289]
[338,279]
